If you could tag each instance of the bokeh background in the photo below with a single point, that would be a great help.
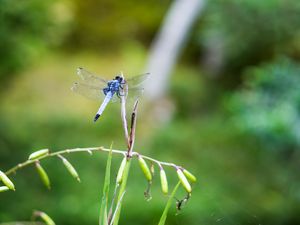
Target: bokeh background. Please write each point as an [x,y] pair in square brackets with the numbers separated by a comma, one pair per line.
[231,110]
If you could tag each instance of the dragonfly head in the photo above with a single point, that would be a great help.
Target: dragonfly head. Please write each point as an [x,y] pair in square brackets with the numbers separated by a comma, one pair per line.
[119,78]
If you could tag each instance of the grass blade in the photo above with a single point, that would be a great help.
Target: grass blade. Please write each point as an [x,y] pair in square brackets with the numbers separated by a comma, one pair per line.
[104,201]
[163,217]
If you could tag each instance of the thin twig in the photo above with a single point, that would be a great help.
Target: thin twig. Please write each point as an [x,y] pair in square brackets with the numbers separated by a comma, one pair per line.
[28,162]
[159,163]
[88,150]
[124,92]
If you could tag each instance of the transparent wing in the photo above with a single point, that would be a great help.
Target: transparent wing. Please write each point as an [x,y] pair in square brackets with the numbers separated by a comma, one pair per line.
[91,79]
[134,93]
[137,80]
[91,92]
[88,91]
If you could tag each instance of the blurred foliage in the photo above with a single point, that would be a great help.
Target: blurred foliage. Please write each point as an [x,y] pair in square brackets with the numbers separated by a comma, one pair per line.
[25,28]
[268,106]
[109,24]
[223,136]
[245,33]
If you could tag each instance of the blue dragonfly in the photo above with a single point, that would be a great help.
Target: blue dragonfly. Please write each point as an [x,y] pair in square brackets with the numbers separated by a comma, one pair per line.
[97,88]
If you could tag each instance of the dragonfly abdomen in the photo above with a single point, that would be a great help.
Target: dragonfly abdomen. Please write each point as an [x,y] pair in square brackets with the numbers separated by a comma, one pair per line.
[106,100]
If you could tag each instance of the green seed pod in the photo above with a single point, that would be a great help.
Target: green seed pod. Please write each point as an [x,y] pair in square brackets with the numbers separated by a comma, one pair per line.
[47,219]
[38,154]
[121,170]
[189,176]
[8,183]
[70,168]
[145,168]
[3,188]
[184,181]
[43,175]
[164,181]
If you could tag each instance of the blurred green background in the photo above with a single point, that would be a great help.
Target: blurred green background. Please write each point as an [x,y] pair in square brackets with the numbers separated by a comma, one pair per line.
[236,123]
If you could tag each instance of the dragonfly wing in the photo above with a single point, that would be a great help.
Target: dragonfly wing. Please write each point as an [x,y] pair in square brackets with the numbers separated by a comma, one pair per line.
[88,91]
[134,93]
[137,80]
[91,79]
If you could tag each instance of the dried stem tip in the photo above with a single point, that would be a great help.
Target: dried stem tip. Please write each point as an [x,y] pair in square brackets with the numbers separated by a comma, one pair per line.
[189,176]
[164,181]
[43,175]
[184,181]
[8,183]
[145,168]
[121,170]
[38,154]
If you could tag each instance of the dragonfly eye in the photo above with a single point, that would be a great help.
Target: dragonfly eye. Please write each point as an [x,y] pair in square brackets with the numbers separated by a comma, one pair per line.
[118,78]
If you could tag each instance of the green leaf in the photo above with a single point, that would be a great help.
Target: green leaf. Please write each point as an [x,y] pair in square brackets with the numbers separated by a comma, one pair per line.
[104,202]
[163,217]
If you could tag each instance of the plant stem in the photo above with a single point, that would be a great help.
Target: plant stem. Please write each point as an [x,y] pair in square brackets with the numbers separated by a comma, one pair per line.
[89,150]
[123,111]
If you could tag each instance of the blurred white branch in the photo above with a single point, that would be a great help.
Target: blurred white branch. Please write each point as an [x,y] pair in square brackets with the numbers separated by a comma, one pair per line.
[168,44]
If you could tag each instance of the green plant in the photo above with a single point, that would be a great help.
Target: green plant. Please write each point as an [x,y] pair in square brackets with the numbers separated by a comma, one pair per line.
[268,106]
[109,213]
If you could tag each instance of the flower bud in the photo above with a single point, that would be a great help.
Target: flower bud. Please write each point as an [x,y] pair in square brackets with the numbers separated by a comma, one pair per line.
[47,219]
[145,168]
[43,175]
[8,183]
[70,168]
[189,176]
[38,154]
[184,181]
[164,181]
[121,170]
[3,188]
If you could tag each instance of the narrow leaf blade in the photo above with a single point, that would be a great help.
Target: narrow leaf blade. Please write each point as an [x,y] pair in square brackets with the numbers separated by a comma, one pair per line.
[104,202]
[163,217]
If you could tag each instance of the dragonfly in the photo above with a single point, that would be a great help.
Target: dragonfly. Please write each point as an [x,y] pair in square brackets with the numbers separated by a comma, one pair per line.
[97,88]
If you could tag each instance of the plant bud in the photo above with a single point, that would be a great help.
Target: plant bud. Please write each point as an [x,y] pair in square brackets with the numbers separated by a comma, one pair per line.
[38,154]
[47,219]
[145,168]
[164,181]
[70,168]
[184,181]
[121,170]
[43,175]
[3,188]
[8,183]
[189,176]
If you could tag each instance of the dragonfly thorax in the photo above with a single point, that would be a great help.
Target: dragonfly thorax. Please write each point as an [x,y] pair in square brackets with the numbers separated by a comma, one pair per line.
[114,85]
